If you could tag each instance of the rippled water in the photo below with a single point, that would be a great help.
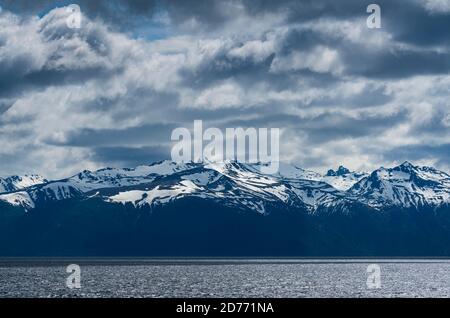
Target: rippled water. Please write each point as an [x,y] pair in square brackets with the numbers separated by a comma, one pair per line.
[225,279]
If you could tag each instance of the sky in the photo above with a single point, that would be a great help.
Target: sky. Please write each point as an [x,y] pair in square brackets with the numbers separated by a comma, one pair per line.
[111,92]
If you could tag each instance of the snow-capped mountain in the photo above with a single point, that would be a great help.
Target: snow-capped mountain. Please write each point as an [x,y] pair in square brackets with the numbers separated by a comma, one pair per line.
[238,185]
[11,186]
[288,171]
[229,209]
[14,183]
[404,186]
[79,185]
[343,179]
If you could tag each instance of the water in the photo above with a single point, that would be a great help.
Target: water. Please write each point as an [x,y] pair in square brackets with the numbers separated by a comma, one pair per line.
[277,278]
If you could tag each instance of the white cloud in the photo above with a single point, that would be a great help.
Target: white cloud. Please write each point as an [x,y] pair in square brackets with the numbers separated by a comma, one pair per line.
[21,47]
[255,49]
[320,59]
[437,6]
[96,78]
[225,95]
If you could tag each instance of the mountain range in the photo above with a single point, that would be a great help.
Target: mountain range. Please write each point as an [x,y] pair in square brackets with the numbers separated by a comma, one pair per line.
[227,209]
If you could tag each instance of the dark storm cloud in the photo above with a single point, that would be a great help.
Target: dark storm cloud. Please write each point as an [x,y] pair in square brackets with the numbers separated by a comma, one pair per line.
[4,106]
[421,152]
[117,12]
[300,11]
[400,63]
[392,61]
[310,67]
[51,56]
[27,6]
[141,100]
[223,67]
[125,15]
[44,78]
[65,77]
[12,73]
[211,14]
[408,21]
[130,156]
[437,124]
[150,133]
[208,12]
[412,23]
[329,127]
[186,116]
[326,127]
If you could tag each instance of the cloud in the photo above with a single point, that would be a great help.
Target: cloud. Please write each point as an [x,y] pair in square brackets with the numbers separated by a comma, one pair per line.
[110,92]
[133,136]
[437,6]
[320,60]
[129,156]
[225,95]
[433,155]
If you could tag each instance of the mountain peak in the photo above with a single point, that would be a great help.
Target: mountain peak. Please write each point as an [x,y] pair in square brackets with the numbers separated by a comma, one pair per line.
[17,182]
[405,185]
[406,167]
[342,170]
[339,172]
[407,164]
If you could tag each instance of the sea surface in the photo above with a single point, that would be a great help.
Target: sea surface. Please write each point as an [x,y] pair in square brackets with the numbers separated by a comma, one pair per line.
[226,278]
